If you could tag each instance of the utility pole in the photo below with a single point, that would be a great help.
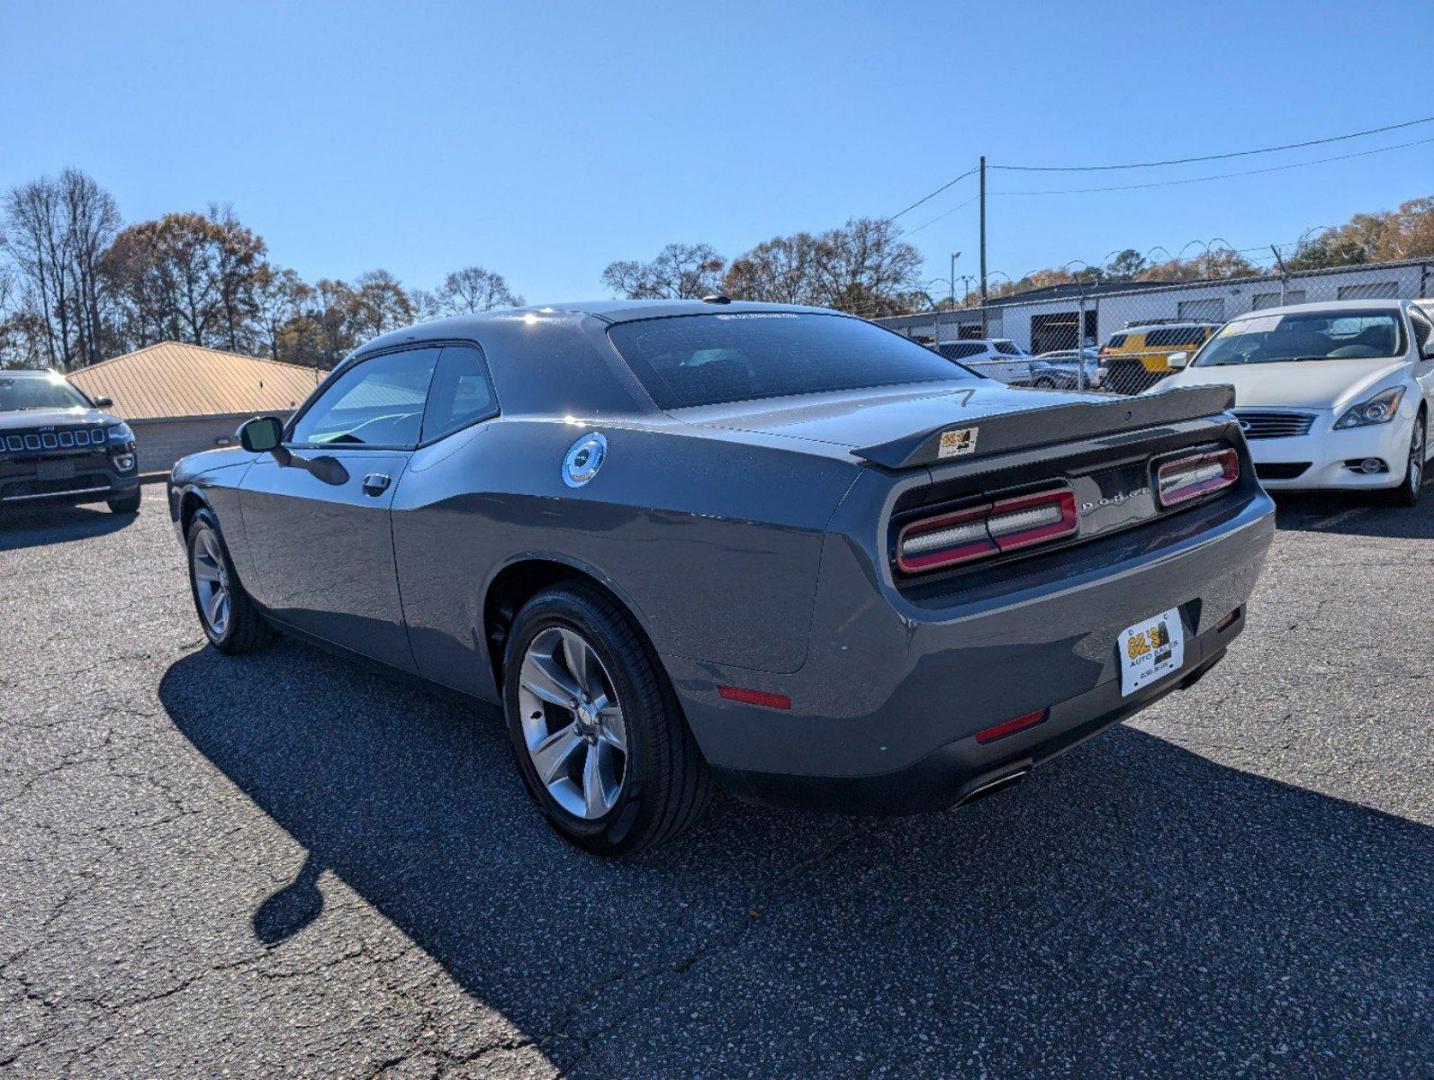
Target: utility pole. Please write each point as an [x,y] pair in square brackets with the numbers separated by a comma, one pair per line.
[954,257]
[1284,273]
[983,246]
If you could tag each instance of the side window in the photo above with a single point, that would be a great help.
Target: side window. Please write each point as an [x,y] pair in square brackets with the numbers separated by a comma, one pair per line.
[1422,331]
[460,394]
[377,402]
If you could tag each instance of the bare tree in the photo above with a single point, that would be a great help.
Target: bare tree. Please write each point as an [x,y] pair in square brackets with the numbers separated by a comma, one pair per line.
[239,267]
[379,305]
[863,267]
[282,298]
[680,271]
[194,277]
[783,270]
[474,289]
[56,231]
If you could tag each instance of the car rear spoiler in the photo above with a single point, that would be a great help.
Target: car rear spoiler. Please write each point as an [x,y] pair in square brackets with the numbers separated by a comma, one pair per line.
[1004,432]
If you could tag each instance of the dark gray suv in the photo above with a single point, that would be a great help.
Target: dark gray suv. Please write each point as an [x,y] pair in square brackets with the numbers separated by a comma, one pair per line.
[58,446]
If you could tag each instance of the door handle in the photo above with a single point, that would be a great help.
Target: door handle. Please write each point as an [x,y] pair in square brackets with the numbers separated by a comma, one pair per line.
[376,483]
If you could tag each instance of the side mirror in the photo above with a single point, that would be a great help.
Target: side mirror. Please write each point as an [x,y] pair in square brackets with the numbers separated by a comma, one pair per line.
[260,434]
[1178,360]
[102,402]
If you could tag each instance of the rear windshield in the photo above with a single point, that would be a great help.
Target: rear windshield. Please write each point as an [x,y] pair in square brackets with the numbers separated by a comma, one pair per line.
[688,360]
[1007,348]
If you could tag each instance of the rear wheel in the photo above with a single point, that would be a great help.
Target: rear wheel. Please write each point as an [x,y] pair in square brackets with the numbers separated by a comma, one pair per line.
[596,729]
[1407,493]
[127,505]
[230,620]
[1045,383]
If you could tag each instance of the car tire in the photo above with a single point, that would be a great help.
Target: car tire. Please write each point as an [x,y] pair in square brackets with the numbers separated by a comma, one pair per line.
[242,629]
[128,505]
[603,799]
[1407,493]
[1044,384]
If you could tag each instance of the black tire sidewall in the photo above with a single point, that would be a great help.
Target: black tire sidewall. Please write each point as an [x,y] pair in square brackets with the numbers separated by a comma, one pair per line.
[1408,492]
[571,610]
[203,519]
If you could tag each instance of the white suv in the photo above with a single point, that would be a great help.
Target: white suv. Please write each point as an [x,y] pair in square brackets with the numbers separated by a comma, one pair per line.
[1000,358]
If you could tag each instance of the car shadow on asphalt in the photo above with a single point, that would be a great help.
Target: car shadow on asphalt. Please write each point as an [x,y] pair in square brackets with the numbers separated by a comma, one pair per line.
[1134,904]
[1356,514]
[36,526]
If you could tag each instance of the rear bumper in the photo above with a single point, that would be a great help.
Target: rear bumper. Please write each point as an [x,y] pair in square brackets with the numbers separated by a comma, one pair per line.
[964,769]
[886,709]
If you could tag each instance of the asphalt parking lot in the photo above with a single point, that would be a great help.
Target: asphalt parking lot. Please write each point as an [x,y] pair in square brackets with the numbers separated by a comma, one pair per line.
[283,865]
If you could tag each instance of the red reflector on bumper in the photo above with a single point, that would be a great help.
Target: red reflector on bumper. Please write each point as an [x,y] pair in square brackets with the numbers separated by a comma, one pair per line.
[1010,727]
[755,697]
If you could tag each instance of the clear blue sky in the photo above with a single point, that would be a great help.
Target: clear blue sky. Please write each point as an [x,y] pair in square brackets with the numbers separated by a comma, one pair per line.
[543,141]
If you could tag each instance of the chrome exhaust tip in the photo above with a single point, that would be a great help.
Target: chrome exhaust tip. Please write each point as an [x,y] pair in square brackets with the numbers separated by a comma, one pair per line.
[990,787]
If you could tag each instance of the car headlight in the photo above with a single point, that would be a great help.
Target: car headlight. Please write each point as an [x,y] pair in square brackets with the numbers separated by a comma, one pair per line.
[1379,409]
[120,433]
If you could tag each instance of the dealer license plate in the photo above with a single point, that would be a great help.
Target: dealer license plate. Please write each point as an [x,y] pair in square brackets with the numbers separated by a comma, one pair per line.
[1150,650]
[54,470]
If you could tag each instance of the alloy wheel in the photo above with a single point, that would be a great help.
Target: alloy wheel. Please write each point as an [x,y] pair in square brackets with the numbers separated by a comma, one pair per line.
[211,582]
[572,722]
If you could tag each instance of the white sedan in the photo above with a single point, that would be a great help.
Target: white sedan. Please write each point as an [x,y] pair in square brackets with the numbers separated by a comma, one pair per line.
[1335,395]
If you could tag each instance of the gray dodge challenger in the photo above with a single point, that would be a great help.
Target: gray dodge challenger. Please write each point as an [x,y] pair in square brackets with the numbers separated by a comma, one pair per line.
[777,547]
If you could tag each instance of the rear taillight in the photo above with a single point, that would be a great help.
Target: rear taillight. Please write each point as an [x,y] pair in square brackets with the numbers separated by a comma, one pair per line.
[992,528]
[1189,478]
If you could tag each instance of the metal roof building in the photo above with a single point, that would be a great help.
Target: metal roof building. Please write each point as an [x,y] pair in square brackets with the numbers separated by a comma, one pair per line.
[184,398]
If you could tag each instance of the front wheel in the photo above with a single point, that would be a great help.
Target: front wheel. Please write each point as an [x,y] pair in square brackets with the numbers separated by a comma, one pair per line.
[230,620]
[127,505]
[1407,493]
[1044,383]
[596,729]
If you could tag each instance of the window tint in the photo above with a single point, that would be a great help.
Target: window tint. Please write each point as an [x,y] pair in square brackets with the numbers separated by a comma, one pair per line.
[460,393]
[377,402]
[1007,348]
[1178,335]
[961,350]
[690,360]
[1116,341]
[1422,331]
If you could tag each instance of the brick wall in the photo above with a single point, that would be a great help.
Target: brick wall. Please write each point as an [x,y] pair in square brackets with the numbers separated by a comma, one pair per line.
[163,442]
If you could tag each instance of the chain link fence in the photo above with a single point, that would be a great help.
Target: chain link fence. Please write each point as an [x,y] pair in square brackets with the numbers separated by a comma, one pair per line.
[1126,332]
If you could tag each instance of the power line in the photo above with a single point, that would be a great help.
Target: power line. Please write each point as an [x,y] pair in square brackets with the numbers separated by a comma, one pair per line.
[1217,176]
[940,217]
[928,198]
[1213,157]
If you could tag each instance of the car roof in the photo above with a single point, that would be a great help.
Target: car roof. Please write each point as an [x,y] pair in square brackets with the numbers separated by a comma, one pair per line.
[554,358]
[1334,306]
[1182,324]
[34,373]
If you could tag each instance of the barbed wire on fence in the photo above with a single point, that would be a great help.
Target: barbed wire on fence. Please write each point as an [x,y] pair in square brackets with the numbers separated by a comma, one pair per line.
[1129,330]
